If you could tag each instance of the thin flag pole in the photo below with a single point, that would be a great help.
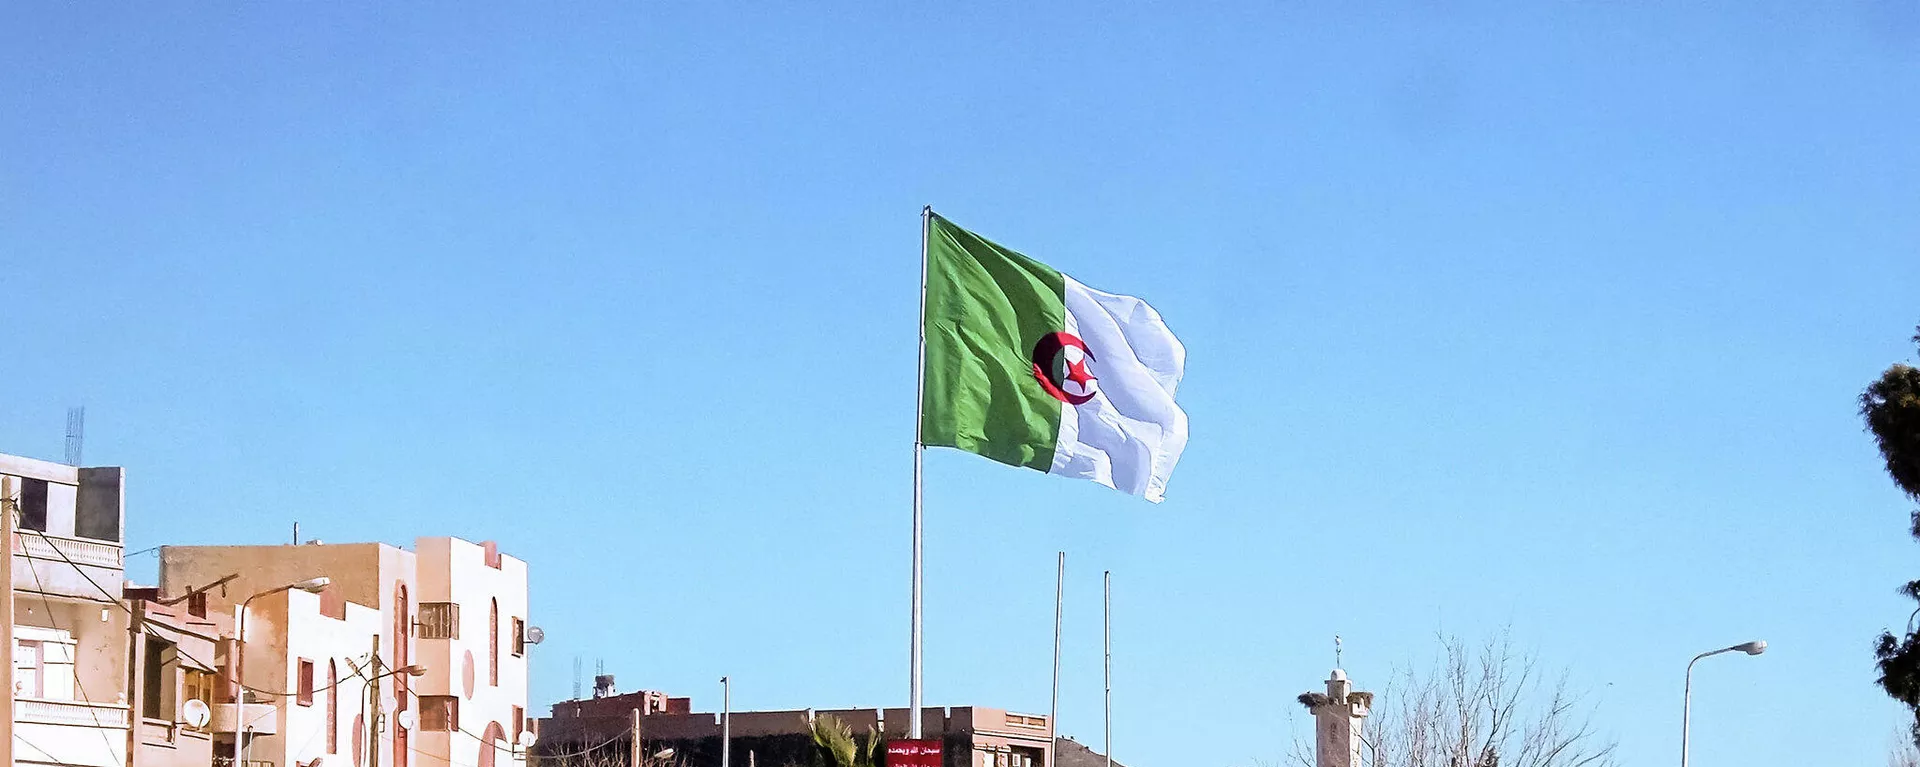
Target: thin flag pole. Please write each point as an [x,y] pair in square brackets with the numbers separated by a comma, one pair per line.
[1059,597]
[1107,642]
[919,402]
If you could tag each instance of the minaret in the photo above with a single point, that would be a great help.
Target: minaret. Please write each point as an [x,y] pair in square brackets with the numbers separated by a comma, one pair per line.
[1337,717]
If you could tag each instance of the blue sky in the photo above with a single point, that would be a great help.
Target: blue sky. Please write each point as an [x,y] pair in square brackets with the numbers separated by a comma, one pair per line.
[1547,319]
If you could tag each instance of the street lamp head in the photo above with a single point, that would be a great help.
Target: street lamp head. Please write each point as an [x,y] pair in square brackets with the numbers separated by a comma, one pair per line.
[413,670]
[1752,648]
[313,585]
[665,753]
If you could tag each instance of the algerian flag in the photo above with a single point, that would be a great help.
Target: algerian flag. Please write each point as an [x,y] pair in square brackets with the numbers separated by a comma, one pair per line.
[1029,367]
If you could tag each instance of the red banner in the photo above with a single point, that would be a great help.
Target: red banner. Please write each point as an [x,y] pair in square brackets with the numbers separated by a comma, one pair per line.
[913,753]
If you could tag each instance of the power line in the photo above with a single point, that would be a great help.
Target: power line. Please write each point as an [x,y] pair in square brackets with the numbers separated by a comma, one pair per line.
[147,629]
[79,685]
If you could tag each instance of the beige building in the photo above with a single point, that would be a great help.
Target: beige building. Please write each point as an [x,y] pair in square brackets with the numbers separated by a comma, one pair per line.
[173,652]
[69,629]
[456,610]
[975,736]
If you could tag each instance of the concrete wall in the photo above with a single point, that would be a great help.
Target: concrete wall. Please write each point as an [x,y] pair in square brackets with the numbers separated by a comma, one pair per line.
[454,570]
[292,628]
[166,741]
[82,719]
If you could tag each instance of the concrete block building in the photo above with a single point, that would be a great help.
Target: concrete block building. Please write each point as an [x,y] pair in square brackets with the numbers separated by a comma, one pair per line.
[973,736]
[69,632]
[439,631]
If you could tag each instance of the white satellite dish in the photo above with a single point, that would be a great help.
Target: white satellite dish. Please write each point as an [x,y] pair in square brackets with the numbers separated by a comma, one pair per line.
[407,720]
[535,636]
[195,713]
[527,739]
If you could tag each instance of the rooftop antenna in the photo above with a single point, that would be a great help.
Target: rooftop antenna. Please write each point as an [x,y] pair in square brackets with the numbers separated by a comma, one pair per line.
[1336,651]
[576,677]
[76,432]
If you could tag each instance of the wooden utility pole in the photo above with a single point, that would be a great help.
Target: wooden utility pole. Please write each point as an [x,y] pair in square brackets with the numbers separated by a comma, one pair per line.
[8,509]
[373,705]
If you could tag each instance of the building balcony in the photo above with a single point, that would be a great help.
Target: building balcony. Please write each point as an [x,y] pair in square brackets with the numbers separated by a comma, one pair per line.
[69,733]
[78,568]
[258,718]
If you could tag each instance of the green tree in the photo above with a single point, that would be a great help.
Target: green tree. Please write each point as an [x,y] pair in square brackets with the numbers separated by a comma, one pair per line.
[1891,408]
[838,747]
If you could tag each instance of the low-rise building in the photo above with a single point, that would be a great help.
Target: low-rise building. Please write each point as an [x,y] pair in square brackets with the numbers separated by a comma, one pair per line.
[588,731]
[439,631]
[70,635]
[174,652]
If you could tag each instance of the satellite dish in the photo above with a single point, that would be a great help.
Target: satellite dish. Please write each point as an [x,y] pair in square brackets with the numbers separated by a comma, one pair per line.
[195,713]
[526,739]
[535,635]
[407,720]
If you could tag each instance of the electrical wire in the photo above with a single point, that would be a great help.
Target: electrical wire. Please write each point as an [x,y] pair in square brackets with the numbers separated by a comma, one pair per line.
[79,685]
[149,629]
[275,693]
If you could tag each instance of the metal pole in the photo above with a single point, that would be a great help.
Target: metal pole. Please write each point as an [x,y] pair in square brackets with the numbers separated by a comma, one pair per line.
[1686,711]
[240,684]
[1059,600]
[919,402]
[637,746]
[8,507]
[726,722]
[1107,642]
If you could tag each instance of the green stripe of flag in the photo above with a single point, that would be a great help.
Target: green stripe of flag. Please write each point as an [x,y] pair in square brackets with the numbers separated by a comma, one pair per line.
[986,305]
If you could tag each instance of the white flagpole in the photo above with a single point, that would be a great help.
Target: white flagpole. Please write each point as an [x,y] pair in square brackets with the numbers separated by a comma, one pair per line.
[919,402]
[1107,642]
[1059,597]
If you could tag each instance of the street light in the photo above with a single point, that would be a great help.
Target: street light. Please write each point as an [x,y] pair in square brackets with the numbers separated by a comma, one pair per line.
[1754,647]
[311,586]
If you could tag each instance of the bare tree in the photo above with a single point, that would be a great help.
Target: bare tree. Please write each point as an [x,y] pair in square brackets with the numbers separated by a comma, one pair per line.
[1485,707]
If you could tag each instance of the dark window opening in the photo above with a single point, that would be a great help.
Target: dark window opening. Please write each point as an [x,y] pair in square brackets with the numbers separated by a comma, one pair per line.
[439,713]
[153,679]
[33,504]
[97,512]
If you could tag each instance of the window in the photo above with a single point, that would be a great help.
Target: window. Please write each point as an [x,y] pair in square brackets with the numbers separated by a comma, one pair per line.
[439,713]
[97,506]
[197,685]
[303,687]
[197,604]
[518,722]
[33,504]
[154,678]
[519,637]
[493,644]
[333,707]
[439,620]
[43,663]
[490,744]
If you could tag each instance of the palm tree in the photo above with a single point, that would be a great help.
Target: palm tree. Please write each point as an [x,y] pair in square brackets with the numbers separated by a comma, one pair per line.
[839,747]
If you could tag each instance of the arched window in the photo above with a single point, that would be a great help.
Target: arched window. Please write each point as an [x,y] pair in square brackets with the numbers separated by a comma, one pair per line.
[333,707]
[493,644]
[492,742]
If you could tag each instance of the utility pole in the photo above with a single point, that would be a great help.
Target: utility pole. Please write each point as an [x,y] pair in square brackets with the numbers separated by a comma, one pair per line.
[373,705]
[8,508]
[635,757]
[726,722]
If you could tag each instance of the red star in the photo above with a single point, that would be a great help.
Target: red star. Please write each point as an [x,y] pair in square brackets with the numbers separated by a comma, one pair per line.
[1077,372]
